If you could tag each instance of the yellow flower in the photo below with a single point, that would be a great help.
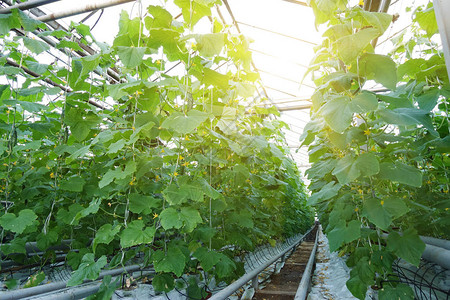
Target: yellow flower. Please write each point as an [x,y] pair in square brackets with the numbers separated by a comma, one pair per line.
[159,127]
[181,157]
[5,164]
[134,128]
[52,175]
[162,151]
[249,181]
[186,138]
[360,191]
[356,209]
[48,168]
[32,167]
[158,62]
[361,2]
[367,132]
[446,191]
[185,164]
[140,218]
[155,215]
[446,208]
[109,204]
[175,174]
[382,202]
[157,178]
[429,181]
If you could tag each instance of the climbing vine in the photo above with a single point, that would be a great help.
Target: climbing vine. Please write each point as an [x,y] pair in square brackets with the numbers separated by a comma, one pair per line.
[182,166]
[380,159]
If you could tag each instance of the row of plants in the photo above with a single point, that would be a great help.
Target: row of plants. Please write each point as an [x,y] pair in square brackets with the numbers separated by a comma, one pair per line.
[184,168]
[380,159]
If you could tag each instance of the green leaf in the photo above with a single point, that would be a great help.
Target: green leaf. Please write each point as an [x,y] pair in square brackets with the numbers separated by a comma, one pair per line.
[169,219]
[368,164]
[17,245]
[328,191]
[190,217]
[376,213]
[408,246]
[208,259]
[105,235]
[427,21]
[163,282]
[73,184]
[346,170]
[401,291]
[214,78]
[343,233]
[185,124]
[361,276]
[210,44]
[428,100]
[380,21]
[349,47]
[364,102]
[116,146]
[408,117]
[401,173]
[89,63]
[106,290]
[131,57]
[18,224]
[34,280]
[338,113]
[193,11]
[134,234]
[161,18]
[380,68]
[88,269]
[93,207]
[173,261]
[35,46]
[143,204]
[225,267]
[395,206]
[45,240]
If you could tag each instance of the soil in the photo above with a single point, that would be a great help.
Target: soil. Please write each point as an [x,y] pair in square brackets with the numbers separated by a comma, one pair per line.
[284,285]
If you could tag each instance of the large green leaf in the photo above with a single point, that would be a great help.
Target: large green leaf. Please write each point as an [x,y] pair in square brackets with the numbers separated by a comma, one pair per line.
[142,204]
[343,233]
[187,217]
[170,219]
[368,164]
[73,184]
[401,173]
[346,169]
[350,47]
[135,234]
[35,46]
[328,191]
[185,124]
[210,44]
[408,246]
[131,57]
[208,259]
[338,113]
[163,282]
[10,222]
[380,68]
[376,213]
[364,102]
[401,291]
[427,21]
[105,234]
[408,117]
[173,261]
[88,269]
[180,194]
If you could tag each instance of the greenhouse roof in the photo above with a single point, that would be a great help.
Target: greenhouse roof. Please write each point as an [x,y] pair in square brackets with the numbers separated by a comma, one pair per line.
[282,32]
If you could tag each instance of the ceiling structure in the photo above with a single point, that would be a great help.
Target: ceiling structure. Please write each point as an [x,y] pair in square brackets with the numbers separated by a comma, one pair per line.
[282,31]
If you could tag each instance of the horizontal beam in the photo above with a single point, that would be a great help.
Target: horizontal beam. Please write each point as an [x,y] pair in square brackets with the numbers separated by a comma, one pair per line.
[81,10]
[27,5]
[277,33]
[296,107]
[303,3]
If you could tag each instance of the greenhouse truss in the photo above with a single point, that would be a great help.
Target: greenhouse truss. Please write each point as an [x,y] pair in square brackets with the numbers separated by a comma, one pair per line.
[208,149]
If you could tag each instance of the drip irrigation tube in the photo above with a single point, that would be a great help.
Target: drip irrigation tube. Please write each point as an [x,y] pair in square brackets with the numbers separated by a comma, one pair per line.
[41,289]
[252,275]
[303,287]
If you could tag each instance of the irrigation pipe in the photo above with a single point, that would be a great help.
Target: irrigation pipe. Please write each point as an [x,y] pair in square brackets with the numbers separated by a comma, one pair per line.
[303,287]
[436,242]
[75,292]
[41,289]
[252,275]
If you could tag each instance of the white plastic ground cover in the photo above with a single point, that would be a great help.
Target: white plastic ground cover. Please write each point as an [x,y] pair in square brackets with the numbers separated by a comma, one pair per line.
[331,274]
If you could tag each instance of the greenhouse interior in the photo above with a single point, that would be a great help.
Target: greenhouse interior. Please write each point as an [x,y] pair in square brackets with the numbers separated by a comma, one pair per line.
[225,149]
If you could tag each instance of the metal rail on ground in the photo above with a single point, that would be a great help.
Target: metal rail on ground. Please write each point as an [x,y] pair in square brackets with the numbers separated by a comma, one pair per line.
[253,275]
[303,287]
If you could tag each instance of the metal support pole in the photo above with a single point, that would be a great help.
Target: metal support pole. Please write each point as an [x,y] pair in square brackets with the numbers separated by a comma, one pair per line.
[255,282]
[442,10]
[27,5]
[81,10]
